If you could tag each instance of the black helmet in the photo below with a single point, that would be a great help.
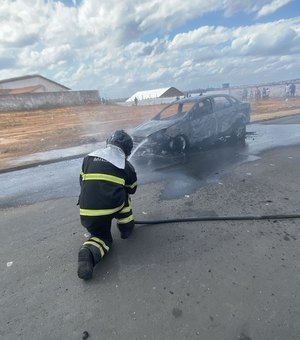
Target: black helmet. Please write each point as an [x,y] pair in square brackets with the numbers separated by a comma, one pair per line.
[121,139]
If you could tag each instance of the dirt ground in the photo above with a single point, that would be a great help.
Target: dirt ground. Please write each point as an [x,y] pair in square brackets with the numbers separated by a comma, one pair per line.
[24,133]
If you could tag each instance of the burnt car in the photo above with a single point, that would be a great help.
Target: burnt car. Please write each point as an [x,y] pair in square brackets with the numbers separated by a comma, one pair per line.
[193,122]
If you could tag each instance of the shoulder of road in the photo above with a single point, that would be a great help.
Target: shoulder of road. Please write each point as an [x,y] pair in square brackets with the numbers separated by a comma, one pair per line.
[59,155]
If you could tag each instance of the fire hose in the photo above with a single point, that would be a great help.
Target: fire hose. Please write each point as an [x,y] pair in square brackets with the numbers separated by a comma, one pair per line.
[222,218]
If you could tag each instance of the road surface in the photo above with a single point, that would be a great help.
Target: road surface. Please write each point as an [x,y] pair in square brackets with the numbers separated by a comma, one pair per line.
[61,179]
[212,280]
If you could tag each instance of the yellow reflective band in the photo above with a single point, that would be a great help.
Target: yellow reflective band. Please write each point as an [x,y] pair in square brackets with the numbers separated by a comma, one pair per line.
[132,185]
[125,210]
[125,220]
[101,242]
[101,212]
[103,177]
[96,245]
[81,173]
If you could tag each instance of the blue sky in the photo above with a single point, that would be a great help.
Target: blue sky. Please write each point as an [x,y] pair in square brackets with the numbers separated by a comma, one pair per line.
[120,47]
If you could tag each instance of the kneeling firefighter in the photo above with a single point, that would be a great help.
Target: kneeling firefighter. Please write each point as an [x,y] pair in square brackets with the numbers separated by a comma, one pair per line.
[106,179]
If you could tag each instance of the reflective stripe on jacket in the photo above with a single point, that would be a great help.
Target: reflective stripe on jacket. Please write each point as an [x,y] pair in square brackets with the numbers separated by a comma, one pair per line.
[102,177]
[100,212]
[104,187]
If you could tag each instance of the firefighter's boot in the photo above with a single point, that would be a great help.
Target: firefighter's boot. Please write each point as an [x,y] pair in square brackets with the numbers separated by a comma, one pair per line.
[126,230]
[85,263]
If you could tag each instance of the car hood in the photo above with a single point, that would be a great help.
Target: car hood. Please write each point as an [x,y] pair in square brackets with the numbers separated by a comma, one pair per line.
[152,126]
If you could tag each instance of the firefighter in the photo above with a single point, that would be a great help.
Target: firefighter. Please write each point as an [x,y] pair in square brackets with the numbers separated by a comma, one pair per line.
[107,179]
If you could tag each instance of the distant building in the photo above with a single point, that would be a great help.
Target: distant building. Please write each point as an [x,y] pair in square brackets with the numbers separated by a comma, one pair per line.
[30,84]
[165,92]
[37,92]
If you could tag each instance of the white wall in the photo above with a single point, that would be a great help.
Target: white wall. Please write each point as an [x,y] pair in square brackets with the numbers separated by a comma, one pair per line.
[33,101]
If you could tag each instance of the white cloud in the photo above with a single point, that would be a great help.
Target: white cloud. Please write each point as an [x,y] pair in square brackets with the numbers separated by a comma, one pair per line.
[272,7]
[260,7]
[203,36]
[276,38]
[130,45]
[48,61]
[17,27]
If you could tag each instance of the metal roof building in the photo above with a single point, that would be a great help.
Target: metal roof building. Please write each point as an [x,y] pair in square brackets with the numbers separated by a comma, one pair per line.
[30,84]
[165,92]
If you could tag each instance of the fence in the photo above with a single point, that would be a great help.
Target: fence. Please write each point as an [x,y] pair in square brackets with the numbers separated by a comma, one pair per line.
[32,101]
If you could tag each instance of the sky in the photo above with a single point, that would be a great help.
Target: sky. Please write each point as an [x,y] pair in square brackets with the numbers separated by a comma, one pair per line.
[122,46]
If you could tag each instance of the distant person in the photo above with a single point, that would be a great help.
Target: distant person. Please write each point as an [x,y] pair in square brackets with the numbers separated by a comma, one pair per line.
[287,90]
[293,90]
[245,94]
[257,94]
[251,95]
[106,179]
[135,100]
[290,89]
[264,93]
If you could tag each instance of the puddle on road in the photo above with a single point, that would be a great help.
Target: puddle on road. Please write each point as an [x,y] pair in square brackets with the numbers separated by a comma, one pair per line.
[184,174]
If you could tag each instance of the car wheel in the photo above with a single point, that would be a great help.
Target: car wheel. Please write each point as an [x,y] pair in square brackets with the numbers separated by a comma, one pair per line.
[179,144]
[239,133]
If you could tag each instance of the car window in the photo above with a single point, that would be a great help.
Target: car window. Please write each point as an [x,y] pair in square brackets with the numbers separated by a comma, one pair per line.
[187,107]
[195,111]
[174,111]
[234,100]
[169,111]
[221,103]
[201,109]
[205,107]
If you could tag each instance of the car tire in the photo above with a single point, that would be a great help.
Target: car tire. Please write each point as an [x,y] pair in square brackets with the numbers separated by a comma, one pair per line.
[239,133]
[179,144]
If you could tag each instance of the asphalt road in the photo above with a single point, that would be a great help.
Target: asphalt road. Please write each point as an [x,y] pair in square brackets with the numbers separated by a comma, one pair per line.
[212,280]
[60,179]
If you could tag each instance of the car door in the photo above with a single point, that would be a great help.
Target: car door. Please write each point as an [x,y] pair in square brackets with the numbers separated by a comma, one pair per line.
[202,122]
[224,112]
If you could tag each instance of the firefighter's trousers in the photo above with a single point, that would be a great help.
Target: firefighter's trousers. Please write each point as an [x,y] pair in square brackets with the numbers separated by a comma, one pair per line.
[99,227]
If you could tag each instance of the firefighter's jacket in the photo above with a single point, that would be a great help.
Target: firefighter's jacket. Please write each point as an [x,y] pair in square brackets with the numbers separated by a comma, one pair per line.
[106,179]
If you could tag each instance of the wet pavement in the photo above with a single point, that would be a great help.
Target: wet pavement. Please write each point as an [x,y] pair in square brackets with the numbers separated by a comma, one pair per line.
[189,172]
[198,168]
[209,280]
[198,280]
